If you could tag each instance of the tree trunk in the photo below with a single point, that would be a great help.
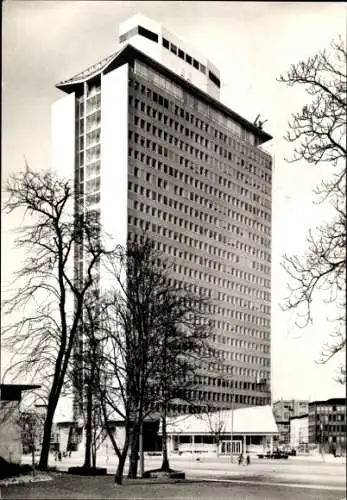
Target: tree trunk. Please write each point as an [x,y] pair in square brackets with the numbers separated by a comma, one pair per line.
[94,455]
[165,464]
[132,473]
[120,469]
[88,444]
[134,453]
[33,455]
[47,431]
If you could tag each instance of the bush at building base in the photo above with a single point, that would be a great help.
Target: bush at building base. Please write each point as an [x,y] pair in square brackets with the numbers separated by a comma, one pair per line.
[8,469]
[88,471]
[164,474]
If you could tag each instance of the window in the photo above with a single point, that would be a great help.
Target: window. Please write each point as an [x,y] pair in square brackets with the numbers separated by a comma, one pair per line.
[214,79]
[181,54]
[148,34]
[141,31]
[188,59]
[173,48]
[129,34]
[166,43]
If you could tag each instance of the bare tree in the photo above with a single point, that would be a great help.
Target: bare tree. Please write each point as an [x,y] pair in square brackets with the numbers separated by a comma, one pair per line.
[156,332]
[87,383]
[184,351]
[31,424]
[48,293]
[318,133]
[216,420]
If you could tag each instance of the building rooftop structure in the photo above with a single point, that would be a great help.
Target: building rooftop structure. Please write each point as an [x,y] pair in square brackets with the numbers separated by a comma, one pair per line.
[331,401]
[129,53]
[13,392]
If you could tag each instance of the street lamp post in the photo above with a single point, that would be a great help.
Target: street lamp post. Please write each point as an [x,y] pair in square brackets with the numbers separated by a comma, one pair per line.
[232,428]
[321,440]
[142,461]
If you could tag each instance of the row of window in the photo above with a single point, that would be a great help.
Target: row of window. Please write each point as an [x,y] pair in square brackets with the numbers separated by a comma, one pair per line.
[156,79]
[328,409]
[181,238]
[169,217]
[182,55]
[222,211]
[209,279]
[248,331]
[192,226]
[88,105]
[223,283]
[173,125]
[242,358]
[193,196]
[236,314]
[228,398]
[339,417]
[189,179]
[331,428]
[183,208]
[226,284]
[240,343]
[208,110]
[232,384]
[253,154]
[209,145]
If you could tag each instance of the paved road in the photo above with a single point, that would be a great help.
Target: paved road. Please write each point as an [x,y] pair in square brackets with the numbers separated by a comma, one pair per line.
[293,472]
[65,486]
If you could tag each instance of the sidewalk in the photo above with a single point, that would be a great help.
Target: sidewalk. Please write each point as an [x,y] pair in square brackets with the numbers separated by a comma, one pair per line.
[328,458]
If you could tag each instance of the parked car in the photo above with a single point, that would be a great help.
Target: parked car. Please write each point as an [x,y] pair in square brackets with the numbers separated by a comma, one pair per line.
[279,454]
[275,454]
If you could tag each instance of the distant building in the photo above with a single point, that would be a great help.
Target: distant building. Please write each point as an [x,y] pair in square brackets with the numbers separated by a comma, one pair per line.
[299,432]
[285,409]
[327,424]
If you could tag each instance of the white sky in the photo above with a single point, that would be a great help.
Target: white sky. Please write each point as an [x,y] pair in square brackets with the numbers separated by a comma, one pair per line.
[251,43]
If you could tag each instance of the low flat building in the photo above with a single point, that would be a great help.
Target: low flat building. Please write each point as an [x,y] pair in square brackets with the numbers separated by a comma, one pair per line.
[10,428]
[249,429]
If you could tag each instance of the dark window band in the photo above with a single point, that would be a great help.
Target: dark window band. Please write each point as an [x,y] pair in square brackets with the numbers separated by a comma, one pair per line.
[129,34]
[141,31]
[214,79]
[148,34]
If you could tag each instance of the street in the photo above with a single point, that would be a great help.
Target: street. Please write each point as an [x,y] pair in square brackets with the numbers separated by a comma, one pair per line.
[65,486]
[308,474]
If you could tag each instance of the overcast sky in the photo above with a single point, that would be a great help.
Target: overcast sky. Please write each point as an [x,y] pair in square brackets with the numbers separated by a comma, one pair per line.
[251,43]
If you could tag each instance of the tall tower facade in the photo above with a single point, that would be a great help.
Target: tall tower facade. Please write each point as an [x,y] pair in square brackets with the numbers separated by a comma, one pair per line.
[152,150]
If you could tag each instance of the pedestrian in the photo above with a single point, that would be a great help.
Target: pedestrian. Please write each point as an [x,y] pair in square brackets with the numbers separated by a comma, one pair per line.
[248,459]
[59,456]
[240,459]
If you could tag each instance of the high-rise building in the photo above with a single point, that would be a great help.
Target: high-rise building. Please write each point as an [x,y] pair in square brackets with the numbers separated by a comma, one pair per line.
[151,147]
